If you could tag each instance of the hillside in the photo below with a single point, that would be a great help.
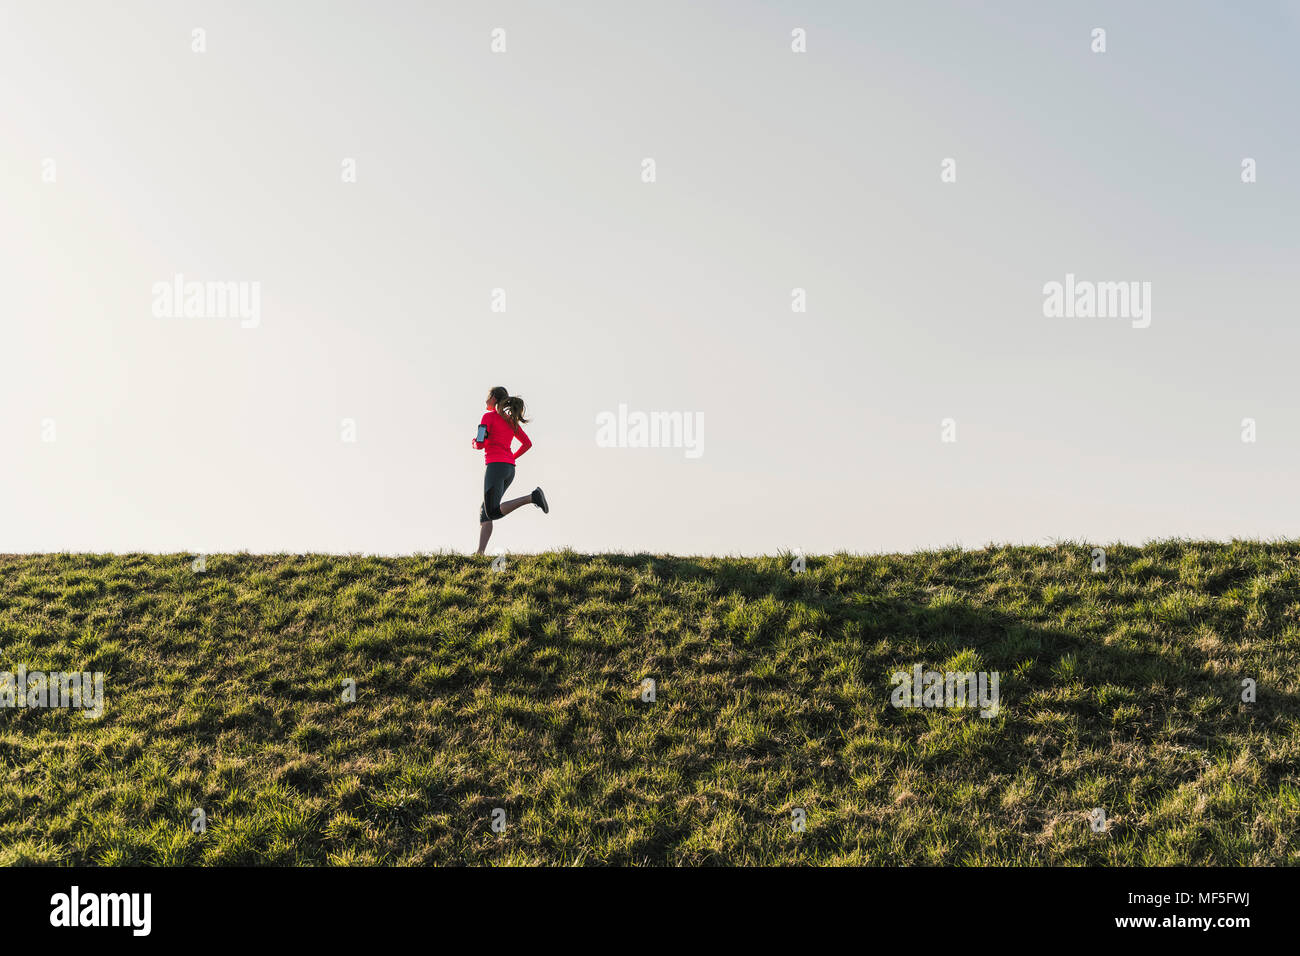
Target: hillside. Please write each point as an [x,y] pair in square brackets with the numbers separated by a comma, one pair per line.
[522,689]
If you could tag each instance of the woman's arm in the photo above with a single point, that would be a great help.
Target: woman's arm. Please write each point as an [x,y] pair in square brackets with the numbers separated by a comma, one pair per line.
[480,445]
[525,442]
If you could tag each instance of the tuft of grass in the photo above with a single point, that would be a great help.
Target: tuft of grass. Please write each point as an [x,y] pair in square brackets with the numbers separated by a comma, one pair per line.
[523,696]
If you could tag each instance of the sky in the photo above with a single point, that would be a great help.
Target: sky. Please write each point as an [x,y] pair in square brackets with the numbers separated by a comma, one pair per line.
[426,200]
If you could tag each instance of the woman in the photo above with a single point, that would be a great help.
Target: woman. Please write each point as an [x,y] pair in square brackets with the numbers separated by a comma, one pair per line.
[502,421]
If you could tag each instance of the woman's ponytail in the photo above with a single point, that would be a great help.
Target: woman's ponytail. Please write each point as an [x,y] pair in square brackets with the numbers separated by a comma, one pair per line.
[511,406]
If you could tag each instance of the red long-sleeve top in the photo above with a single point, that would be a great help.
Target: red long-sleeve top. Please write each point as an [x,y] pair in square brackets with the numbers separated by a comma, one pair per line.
[499,439]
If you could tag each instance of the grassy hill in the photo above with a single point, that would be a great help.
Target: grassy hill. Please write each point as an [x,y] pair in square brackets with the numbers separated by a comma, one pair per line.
[522,689]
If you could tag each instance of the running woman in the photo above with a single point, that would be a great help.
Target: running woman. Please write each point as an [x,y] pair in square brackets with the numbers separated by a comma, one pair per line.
[504,416]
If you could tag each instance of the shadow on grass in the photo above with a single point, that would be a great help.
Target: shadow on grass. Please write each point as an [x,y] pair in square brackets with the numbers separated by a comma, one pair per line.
[1100,693]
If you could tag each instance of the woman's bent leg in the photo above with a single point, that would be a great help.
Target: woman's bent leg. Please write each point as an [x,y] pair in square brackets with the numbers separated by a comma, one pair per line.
[509,506]
[496,480]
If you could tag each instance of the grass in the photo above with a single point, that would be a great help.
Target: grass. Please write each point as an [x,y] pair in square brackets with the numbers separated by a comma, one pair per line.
[523,690]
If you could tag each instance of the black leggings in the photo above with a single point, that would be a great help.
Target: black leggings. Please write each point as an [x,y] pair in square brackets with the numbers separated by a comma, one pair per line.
[496,480]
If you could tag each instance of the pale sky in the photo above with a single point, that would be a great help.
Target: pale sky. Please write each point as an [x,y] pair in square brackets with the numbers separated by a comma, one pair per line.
[522,170]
